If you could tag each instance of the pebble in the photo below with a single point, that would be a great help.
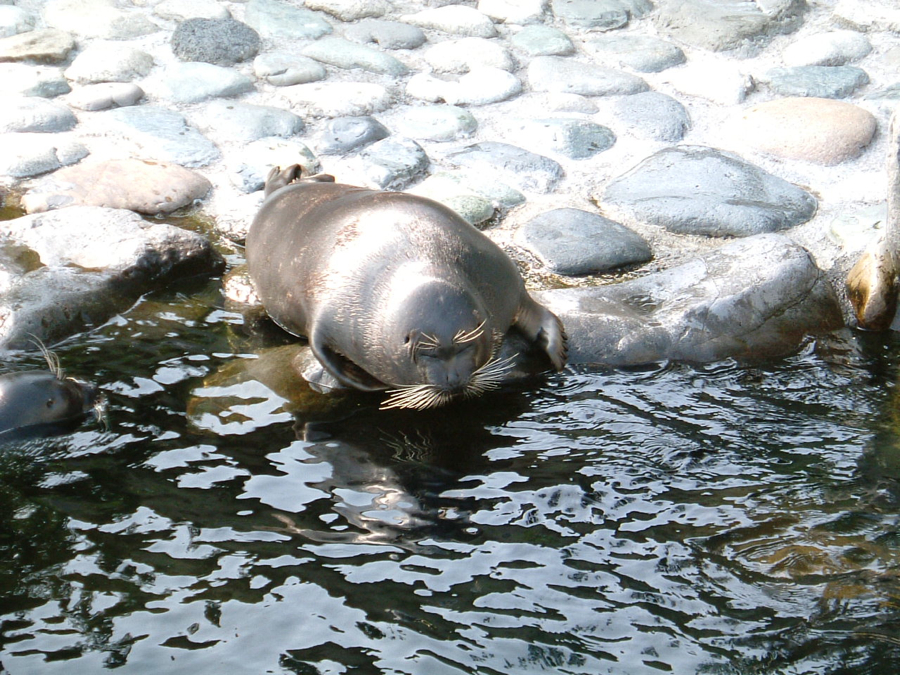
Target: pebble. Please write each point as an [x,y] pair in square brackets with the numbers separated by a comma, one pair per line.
[146,187]
[705,191]
[31,154]
[868,15]
[643,53]
[223,42]
[836,48]
[97,19]
[460,56]
[454,19]
[823,131]
[818,81]
[599,14]
[181,10]
[248,172]
[449,185]
[244,122]
[25,80]
[386,34]
[195,82]
[41,46]
[283,69]
[33,114]
[338,99]
[350,10]
[342,53]
[574,138]
[721,83]
[513,165]
[436,122]
[559,74]
[346,134]
[105,95]
[513,11]
[393,163]
[160,134]
[575,242]
[471,207]
[653,115]
[275,19]
[480,86]
[109,62]
[543,41]
[14,20]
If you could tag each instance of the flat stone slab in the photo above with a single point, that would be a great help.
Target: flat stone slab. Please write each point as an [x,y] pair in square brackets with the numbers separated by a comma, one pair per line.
[181,10]
[510,164]
[32,114]
[393,163]
[575,242]
[386,34]
[518,12]
[721,82]
[350,10]
[818,81]
[223,42]
[109,62]
[97,19]
[31,154]
[560,74]
[704,191]
[454,19]
[283,69]
[338,99]
[160,134]
[41,46]
[480,86]
[543,41]
[245,122]
[460,56]
[436,122]
[146,187]
[816,130]
[574,138]
[278,19]
[599,14]
[20,79]
[836,48]
[345,134]
[105,95]
[643,53]
[196,82]
[753,298]
[653,115]
[348,55]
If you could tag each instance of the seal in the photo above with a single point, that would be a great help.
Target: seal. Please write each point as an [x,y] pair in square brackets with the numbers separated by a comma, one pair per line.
[394,292]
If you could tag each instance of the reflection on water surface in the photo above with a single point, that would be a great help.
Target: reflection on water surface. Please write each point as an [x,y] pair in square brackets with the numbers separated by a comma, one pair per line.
[717,519]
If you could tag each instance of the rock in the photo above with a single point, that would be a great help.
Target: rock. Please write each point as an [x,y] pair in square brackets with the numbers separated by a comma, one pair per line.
[643,53]
[220,41]
[575,242]
[26,80]
[750,299]
[161,135]
[559,74]
[350,10]
[338,99]
[836,48]
[653,115]
[14,20]
[436,123]
[809,129]
[386,34]
[29,113]
[574,138]
[393,163]
[146,187]
[278,19]
[106,95]
[454,19]
[510,164]
[868,15]
[249,171]
[454,187]
[460,56]
[721,82]
[345,54]
[818,81]
[283,69]
[181,10]
[31,154]
[109,62]
[513,11]
[720,26]
[97,19]
[40,46]
[543,41]
[345,134]
[704,191]
[245,122]
[599,14]
[195,82]
[481,86]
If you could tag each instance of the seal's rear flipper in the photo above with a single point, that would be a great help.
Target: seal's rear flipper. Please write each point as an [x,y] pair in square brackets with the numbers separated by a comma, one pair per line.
[543,327]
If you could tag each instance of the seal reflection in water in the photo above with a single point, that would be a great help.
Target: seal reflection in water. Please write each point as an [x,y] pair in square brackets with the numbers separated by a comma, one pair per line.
[394,292]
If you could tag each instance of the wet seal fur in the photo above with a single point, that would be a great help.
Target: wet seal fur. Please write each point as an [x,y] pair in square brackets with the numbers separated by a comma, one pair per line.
[393,291]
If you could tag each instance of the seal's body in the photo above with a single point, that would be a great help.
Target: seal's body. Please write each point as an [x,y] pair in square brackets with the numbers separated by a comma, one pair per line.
[393,291]
[38,402]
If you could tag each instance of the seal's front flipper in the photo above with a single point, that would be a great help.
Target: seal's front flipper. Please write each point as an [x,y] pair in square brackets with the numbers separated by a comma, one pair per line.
[343,369]
[544,328]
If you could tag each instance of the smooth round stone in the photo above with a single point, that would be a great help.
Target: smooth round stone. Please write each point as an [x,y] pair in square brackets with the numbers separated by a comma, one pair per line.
[146,187]
[338,99]
[444,185]
[574,138]
[890,93]
[386,34]
[220,41]
[32,114]
[41,46]
[437,123]
[480,86]
[181,10]
[29,154]
[827,49]
[277,19]
[109,62]
[255,160]
[543,41]
[817,81]
[98,19]
[14,20]
[393,163]
[160,134]
[245,122]
[283,69]
[105,95]
[643,53]
[575,242]
[704,191]
[348,55]
[653,115]
[460,56]
[510,164]
[195,82]
[350,10]
[471,208]
[721,83]
[513,11]
[558,74]
[454,19]
[817,130]
[599,14]
[345,134]
[869,15]
[542,103]
[27,80]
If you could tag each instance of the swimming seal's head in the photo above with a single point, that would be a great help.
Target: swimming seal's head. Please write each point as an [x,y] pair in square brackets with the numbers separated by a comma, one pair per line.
[38,402]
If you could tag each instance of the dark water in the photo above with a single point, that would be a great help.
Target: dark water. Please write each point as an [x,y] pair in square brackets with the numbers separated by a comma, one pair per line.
[719,519]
